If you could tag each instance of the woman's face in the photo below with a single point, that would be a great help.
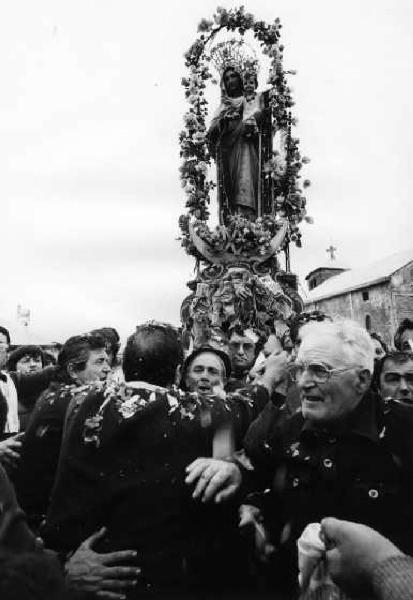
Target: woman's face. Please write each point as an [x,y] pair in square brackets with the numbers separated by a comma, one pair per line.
[232,83]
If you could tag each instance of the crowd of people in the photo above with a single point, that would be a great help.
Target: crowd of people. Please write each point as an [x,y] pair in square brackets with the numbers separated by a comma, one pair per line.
[173,474]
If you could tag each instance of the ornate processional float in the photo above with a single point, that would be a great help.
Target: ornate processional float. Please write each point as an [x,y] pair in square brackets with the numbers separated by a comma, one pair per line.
[244,151]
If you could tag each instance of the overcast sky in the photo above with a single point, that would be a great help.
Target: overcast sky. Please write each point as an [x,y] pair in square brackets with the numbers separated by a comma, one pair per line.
[90,110]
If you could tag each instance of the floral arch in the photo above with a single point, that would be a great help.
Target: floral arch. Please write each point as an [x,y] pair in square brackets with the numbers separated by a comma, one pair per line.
[284,203]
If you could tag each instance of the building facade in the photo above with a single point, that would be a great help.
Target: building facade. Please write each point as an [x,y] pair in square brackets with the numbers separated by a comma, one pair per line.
[378,297]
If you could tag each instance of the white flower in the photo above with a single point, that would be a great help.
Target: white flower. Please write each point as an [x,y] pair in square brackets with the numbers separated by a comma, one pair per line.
[199,137]
[129,407]
[173,403]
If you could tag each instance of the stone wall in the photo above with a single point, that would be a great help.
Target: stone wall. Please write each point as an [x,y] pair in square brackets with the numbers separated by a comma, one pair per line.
[378,307]
[371,307]
[402,293]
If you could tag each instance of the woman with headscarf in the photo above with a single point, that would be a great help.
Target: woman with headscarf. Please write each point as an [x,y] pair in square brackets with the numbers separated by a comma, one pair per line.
[233,136]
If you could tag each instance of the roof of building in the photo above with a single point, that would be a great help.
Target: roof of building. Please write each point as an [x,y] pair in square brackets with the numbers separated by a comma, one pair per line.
[360,277]
[329,267]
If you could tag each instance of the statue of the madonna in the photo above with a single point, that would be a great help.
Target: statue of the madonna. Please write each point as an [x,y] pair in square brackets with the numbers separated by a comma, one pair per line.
[234,143]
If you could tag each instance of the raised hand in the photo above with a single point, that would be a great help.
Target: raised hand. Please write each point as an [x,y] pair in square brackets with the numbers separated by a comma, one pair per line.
[273,371]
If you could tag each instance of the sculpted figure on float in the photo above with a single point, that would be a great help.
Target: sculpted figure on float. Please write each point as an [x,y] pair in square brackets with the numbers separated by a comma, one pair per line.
[234,134]
[244,149]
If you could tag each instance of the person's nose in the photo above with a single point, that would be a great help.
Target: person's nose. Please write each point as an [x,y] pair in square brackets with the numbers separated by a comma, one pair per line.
[403,386]
[305,381]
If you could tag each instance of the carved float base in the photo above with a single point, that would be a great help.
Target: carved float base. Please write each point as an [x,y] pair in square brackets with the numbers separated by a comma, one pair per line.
[241,295]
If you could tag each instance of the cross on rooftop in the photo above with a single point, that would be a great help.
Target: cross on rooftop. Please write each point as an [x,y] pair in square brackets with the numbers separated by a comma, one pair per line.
[331,251]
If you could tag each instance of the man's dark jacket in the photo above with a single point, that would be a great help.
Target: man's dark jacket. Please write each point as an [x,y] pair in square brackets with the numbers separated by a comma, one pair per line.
[360,471]
[128,472]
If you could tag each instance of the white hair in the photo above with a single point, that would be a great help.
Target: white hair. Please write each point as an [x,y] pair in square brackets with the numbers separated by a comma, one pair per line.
[356,346]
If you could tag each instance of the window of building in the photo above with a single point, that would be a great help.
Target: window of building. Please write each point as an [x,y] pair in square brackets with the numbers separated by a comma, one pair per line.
[368,322]
[365,295]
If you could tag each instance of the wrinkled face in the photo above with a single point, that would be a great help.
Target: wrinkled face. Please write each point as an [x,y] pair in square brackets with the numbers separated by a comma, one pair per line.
[241,352]
[4,346]
[232,83]
[97,368]
[206,374]
[406,341]
[29,364]
[396,380]
[333,400]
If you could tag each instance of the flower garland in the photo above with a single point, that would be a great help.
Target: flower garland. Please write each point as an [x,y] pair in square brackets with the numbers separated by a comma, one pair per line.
[127,400]
[290,202]
[241,236]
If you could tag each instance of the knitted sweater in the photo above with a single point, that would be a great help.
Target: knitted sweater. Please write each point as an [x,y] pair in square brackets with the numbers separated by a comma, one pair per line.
[393,578]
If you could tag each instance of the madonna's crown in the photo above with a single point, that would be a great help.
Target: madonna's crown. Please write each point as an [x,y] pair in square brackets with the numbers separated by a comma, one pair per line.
[235,54]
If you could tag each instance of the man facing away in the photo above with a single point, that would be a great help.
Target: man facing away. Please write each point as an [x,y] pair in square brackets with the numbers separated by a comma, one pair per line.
[123,463]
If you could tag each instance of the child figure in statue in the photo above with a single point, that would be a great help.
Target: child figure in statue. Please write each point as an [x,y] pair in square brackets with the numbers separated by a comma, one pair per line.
[233,136]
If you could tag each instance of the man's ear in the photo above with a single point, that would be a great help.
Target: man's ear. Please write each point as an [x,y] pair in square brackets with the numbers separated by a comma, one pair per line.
[363,381]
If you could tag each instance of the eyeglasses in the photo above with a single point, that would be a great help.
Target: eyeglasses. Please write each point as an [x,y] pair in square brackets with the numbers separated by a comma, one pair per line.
[318,372]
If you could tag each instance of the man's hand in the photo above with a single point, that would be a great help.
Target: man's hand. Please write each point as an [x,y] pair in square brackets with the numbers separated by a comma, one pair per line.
[252,527]
[215,479]
[273,371]
[101,574]
[353,550]
[10,450]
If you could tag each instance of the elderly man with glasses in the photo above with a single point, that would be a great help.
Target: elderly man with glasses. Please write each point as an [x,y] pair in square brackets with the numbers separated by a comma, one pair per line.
[337,457]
